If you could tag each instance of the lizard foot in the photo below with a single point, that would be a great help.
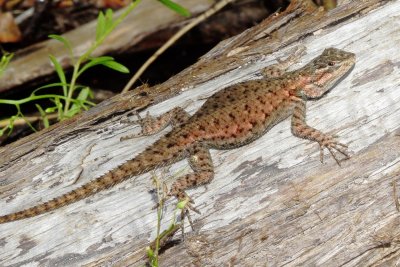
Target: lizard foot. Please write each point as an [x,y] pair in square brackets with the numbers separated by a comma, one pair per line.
[185,205]
[332,145]
[149,124]
[185,202]
[152,125]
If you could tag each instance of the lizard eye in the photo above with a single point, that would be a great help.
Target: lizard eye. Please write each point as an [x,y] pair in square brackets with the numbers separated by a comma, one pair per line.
[331,63]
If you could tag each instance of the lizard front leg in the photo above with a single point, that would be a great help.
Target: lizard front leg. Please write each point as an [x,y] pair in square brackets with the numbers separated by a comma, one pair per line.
[302,130]
[151,125]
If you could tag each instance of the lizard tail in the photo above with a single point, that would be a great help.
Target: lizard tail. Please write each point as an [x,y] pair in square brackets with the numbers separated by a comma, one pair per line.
[82,192]
[153,157]
[63,200]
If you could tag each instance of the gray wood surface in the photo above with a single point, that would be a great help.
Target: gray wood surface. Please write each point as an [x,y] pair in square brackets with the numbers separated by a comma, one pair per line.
[272,203]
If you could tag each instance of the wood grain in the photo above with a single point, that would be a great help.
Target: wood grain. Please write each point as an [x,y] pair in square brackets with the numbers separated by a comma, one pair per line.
[272,203]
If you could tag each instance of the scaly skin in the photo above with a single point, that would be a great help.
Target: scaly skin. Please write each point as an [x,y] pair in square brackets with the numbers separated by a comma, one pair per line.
[232,117]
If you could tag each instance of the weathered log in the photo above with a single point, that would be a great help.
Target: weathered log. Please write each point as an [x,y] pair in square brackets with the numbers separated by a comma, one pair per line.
[271,203]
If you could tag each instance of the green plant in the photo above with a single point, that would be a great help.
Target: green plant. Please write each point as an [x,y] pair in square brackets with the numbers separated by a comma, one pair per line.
[5,59]
[175,7]
[74,98]
[162,238]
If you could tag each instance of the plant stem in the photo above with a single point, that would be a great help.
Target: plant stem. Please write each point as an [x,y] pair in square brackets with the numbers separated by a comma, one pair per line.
[87,54]
[36,97]
[21,121]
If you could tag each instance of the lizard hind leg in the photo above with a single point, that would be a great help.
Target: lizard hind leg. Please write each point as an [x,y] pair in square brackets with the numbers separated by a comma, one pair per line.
[203,172]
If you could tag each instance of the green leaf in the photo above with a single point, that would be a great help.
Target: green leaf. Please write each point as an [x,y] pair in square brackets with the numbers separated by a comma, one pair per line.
[101,25]
[8,127]
[66,43]
[115,66]
[105,61]
[11,124]
[93,62]
[60,73]
[44,116]
[109,19]
[150,253]
[5,59]
[59,108]
[51,109]
[49,86]
[84,94]
[176,7]
[72,111]
[182,204]
[61,39]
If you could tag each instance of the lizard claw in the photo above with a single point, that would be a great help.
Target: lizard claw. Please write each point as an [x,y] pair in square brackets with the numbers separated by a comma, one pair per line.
[189,206]
[185,213]
[131,113]
[136,122]
[187,201]
[145,123]
[332,146]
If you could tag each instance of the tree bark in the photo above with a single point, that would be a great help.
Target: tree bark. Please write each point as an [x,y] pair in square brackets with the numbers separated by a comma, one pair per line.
[271,203]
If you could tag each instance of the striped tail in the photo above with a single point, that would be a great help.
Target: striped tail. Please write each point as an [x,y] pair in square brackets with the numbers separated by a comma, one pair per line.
[158,155]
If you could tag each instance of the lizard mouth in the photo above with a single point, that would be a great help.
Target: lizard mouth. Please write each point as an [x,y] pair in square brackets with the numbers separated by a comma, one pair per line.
[345,69]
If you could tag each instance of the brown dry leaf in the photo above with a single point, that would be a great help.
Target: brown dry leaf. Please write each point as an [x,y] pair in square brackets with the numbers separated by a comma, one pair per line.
[65,3]
[9,31]
[111,3]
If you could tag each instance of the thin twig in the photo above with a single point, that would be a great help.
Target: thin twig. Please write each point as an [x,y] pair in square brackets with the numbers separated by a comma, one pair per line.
[173,39]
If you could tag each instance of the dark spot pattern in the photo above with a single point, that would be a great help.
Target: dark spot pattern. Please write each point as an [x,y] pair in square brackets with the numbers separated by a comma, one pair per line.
[221,123]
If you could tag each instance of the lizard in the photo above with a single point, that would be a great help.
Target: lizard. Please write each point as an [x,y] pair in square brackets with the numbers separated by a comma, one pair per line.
[230,118]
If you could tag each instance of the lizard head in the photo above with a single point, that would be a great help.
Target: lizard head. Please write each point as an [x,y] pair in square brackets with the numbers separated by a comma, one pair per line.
[326,70]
